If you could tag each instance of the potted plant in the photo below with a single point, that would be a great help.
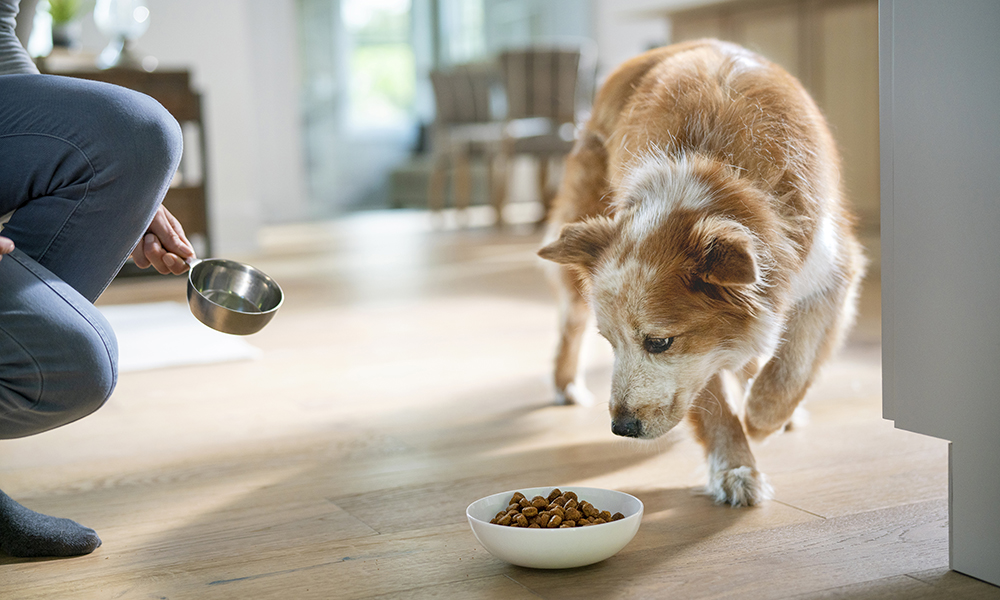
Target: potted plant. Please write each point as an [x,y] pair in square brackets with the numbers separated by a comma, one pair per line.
[66,25]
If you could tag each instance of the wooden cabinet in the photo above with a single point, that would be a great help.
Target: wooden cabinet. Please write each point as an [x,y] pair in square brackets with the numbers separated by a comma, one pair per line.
[832,47]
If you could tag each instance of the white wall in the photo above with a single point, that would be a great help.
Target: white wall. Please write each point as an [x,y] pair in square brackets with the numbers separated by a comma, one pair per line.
[517,23]
[625,28]
[243,58]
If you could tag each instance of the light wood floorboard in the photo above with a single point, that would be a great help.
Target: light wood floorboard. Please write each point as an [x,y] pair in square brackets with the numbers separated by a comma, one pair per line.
[408,375]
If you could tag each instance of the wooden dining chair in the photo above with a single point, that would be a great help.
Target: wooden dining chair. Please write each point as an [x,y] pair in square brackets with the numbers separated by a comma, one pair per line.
[464,126]
[546,90]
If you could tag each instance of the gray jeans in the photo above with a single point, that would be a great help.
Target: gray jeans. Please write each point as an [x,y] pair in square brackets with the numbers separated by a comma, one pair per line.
[83,167]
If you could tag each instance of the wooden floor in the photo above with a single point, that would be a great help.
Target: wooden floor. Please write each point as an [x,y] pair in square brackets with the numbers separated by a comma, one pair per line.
[408,375]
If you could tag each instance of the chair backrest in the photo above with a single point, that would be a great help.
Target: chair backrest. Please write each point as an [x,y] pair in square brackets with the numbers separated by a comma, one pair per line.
[541,82]
[462,93]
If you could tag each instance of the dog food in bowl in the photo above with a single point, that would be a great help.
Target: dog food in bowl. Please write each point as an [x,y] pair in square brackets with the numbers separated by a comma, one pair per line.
[555,547]
[558,509]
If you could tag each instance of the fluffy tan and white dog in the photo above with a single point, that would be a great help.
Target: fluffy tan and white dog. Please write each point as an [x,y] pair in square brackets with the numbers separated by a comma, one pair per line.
[701,218]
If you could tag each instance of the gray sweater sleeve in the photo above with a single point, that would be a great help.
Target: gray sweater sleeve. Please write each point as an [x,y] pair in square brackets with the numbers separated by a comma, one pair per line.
[13,57]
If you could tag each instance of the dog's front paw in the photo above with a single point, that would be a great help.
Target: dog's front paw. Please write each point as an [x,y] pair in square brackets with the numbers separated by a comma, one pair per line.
[575,393]
[741,486]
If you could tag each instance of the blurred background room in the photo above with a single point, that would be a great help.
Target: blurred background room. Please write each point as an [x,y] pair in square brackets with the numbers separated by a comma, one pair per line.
[315,109]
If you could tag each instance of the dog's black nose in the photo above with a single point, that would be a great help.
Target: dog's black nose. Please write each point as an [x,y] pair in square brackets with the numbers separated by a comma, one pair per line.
[626,426]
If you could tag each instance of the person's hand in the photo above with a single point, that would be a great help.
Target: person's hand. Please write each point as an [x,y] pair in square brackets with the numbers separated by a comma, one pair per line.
[164,246]
[6,246]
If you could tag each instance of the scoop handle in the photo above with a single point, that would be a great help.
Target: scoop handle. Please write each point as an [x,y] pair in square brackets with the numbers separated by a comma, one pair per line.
[192,262]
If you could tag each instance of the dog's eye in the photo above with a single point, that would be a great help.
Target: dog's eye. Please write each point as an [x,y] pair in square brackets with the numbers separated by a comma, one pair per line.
[657,345]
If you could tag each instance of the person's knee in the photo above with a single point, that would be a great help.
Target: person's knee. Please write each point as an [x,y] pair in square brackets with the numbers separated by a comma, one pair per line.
[154,134]
[83,375]
[137,139]
[92,370]
[66,377]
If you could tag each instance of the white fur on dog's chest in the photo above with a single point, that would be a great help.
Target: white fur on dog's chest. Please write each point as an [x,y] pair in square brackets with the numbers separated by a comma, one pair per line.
[817,272]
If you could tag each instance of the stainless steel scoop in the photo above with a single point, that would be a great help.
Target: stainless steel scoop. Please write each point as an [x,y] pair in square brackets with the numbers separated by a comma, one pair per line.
[231,297]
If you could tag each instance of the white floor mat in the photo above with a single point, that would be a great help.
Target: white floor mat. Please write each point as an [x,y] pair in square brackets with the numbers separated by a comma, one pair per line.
[166,334]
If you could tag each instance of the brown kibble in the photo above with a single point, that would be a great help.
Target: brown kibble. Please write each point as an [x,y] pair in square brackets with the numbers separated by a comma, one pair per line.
[559,510]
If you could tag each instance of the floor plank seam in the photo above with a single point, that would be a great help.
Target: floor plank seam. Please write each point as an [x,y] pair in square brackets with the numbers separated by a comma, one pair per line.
[918,580]
[525,587]
[793,507]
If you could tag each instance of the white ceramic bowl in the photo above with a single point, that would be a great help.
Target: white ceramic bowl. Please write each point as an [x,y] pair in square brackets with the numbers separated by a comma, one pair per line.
[556,548]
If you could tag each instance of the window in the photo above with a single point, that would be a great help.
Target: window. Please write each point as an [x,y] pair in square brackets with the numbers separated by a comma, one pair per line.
[382,76]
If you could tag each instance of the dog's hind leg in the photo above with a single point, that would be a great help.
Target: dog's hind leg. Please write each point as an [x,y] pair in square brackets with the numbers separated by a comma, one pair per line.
[814,330]
[733,477]
[574,321]
[583,193]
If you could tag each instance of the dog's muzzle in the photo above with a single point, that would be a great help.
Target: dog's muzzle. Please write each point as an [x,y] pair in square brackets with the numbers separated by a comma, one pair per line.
[626,426]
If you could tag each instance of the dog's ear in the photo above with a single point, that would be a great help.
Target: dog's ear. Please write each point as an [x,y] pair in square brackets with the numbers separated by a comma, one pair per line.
[581,244]
[728,257]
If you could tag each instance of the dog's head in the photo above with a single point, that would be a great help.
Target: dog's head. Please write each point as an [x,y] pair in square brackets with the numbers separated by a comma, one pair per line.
[678,294]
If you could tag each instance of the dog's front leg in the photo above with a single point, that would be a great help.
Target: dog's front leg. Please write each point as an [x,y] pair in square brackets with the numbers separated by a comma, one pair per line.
[815,327]
[733,477]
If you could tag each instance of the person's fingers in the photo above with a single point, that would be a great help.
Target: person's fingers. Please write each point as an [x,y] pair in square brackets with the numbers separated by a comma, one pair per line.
[170,233]
[184,249]
[154,252]
[175,263]
[6,245]
[139,254]
[164,246]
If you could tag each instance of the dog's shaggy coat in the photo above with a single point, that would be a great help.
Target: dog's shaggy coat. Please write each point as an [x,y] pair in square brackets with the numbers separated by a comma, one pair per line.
[701,217]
